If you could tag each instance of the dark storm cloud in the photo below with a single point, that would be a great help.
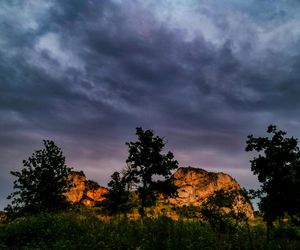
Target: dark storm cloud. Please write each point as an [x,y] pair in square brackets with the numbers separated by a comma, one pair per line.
[202,74]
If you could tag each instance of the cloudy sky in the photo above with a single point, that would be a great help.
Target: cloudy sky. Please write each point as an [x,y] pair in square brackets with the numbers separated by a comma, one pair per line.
[202,74]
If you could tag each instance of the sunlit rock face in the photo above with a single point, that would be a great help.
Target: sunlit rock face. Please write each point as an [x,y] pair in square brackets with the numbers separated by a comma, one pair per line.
[195,185]
[3,216]
[84,191]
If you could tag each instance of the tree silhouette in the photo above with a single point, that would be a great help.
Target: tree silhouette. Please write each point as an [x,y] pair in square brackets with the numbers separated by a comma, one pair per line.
[214,209]
[278,169]
[118,197]
[41,184]
[150,170]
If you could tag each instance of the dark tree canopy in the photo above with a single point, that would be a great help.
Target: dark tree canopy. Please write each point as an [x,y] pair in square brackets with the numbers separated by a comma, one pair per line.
[41,184]
[213,209]
[278,170]
[150,169]
[118,197]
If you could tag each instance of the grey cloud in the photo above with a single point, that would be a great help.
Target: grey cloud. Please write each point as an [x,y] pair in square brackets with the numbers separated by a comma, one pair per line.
[86,74]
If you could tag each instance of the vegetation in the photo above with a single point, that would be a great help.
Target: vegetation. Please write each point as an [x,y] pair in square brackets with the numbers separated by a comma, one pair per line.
[215,210]
[39,217]
[118,197]
[83,230]
[41,184]
[278,170]
[147,162]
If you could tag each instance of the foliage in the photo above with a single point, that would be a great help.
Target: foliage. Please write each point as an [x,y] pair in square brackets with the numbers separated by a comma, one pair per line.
[214,209]
[147,163]
[41,184]
[278,169]
[287,230]
[190,212]
[82,231]
[118,197]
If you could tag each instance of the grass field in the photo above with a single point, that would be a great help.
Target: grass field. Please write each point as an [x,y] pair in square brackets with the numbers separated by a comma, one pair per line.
[86,229]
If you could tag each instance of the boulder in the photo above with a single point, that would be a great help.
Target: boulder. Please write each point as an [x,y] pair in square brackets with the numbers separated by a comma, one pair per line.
[195,185]
[83,191]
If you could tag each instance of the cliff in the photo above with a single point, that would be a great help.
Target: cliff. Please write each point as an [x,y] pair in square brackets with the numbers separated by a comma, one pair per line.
[195,185]
[83,191]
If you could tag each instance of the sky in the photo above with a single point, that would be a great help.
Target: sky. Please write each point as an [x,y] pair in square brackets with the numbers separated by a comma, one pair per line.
[201,74]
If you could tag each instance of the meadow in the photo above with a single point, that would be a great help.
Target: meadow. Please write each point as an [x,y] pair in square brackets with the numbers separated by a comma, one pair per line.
[88,229]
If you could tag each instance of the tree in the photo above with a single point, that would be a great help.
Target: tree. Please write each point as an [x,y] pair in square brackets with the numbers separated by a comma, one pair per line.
[150,170]
[41,184]
[118,197]
[278,169]
[222,208]
[218,209]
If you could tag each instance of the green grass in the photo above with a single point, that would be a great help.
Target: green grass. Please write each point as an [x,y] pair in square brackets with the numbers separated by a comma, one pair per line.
[83,230]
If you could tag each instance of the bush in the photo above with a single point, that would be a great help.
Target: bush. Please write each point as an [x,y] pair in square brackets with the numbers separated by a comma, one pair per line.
[287,231]
[74,230]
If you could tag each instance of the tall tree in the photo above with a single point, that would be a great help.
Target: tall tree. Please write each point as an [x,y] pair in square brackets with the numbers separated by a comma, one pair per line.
[278,169]
[41,184]
[118,197]
[150,169]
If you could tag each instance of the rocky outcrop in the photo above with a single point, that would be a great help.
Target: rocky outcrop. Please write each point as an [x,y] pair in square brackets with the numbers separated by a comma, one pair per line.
[3,216]
[83,191]
[195,185]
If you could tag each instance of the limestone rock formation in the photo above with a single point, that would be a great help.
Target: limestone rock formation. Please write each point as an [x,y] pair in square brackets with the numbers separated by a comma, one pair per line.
[84,191]
[3,216]
[196,185]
